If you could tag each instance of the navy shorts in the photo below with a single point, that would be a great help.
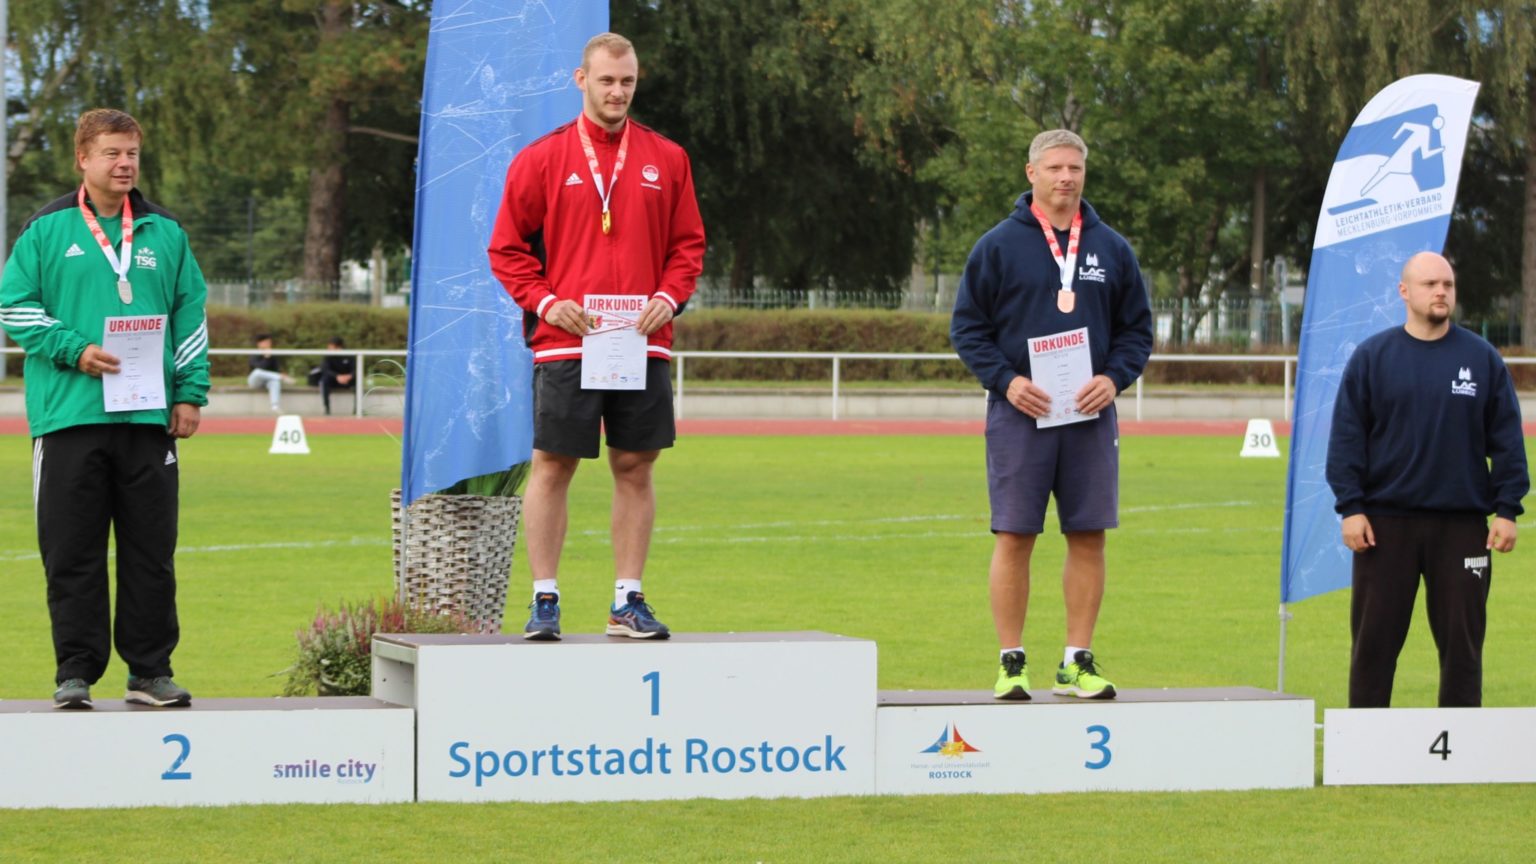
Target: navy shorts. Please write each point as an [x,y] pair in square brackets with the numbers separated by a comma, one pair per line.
[1078,463]
[566,418]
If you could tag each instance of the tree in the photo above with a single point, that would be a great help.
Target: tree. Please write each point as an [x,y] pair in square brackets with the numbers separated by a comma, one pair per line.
[307,68]
[1340,55]
[787,186]
[1166,93]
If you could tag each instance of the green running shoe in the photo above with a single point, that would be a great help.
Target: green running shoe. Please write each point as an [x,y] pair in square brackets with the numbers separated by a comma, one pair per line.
[1081,679]
[1012,678]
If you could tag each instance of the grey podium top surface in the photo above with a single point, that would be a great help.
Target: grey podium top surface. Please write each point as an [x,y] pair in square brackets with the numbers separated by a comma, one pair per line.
[424,640]
[114,704]
[918,698]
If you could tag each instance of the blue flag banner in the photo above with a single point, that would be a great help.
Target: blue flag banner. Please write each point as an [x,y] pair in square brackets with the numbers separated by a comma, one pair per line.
[1389,196]
[498,76]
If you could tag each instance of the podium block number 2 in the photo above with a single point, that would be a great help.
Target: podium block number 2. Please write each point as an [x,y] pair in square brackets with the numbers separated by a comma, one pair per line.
[654,678]
[173,773]
[1100,747]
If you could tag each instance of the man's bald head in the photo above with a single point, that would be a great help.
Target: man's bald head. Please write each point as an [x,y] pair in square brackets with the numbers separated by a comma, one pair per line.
[1428,289]
[1424,264]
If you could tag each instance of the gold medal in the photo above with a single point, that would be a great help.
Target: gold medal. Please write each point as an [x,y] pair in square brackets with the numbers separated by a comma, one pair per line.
[607,222]
[125,290]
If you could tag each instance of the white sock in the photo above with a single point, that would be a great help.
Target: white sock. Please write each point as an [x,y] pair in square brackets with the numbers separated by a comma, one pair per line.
[545,586]
[1070,656]
[621,591]
[1000,653]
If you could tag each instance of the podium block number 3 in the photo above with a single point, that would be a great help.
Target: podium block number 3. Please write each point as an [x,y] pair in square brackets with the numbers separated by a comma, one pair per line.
[174,772]
[1100,746]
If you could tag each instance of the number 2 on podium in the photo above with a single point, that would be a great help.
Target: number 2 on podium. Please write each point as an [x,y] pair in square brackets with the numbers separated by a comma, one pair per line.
[174,772]
[655,680]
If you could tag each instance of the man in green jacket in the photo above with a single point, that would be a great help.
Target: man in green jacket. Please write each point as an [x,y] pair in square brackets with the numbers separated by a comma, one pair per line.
[103,265]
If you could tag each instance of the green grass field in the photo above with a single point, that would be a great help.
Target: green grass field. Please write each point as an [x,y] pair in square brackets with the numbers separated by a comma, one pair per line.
[877,537]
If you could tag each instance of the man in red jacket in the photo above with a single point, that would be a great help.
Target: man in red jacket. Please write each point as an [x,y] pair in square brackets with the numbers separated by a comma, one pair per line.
[600,207]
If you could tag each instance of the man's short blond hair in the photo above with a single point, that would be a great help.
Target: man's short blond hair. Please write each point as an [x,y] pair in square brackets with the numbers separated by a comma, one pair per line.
[1053,138]
[613,43]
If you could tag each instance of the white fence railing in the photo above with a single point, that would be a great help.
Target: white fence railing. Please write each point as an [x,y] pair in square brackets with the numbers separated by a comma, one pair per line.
[835,358]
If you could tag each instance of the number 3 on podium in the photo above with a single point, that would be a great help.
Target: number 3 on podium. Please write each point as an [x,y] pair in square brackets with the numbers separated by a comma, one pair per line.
[1100,746]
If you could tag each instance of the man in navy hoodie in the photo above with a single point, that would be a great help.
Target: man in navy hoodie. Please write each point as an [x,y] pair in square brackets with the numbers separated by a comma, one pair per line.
[1422,411]
[1052,269]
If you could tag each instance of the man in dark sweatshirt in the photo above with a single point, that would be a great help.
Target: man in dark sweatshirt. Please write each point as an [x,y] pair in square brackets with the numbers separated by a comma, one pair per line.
[1054,275]
[1422,411]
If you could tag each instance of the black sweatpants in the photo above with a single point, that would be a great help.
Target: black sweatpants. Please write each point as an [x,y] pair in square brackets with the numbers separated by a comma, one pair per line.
[1450,551]
[85,479]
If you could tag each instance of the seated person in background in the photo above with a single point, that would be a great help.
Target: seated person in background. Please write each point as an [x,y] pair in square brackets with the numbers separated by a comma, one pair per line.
[266,371]
[333,371]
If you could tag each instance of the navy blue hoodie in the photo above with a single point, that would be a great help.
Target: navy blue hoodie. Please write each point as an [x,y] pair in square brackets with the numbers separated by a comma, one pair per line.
[1007,296]
[1417,423]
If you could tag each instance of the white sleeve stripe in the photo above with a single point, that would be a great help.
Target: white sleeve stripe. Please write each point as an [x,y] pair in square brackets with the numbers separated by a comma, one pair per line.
[27,316]
[192,344]
[192,348]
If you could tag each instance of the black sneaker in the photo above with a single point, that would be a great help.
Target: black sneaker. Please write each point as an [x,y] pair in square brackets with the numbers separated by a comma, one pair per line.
[160,692]
[73,693]
[544,624]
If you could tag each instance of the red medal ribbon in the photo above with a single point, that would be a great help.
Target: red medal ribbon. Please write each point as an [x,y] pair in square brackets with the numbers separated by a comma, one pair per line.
[119,267]
[605,194]
[1068,261]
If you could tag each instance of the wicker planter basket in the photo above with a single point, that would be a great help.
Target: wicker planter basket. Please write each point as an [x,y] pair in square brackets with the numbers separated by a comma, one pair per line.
[460,554]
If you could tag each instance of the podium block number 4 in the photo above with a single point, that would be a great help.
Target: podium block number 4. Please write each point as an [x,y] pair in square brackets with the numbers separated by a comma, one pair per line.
[1100,747]
[174,772]
[1442,745]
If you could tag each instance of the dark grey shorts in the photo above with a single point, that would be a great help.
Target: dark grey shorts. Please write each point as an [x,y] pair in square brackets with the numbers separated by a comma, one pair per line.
[1079,463]
[566,418]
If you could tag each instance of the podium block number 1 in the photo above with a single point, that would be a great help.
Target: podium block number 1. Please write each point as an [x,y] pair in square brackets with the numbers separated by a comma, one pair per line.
[654,678]
[174,772]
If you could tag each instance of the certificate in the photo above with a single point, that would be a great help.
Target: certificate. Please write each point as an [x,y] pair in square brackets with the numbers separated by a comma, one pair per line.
[138,342]
[613,351]
[1061,366]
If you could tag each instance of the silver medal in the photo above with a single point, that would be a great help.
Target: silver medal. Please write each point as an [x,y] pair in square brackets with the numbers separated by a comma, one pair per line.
[125,290]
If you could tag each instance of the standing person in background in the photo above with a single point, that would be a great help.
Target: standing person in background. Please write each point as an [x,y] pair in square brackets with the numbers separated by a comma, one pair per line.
[599,206]
[1426,442]
[267,371]
[1019,287]
[104,251]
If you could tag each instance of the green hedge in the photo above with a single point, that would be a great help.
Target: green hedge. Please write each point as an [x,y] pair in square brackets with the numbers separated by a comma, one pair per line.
[302,325]
[813,330]
[310,325]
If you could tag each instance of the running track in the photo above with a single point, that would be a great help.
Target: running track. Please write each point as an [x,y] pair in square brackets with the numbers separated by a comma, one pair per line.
[392,426]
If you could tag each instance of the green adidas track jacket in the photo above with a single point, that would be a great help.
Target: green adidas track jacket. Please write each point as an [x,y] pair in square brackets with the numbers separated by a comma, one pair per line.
[58,290]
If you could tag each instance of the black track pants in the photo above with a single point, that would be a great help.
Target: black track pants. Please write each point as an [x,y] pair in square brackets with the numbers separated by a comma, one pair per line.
[1450,552]
[87,478]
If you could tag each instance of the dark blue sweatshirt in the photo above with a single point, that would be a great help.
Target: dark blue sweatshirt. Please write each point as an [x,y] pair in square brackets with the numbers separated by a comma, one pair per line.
[1417,422]
[1007,296]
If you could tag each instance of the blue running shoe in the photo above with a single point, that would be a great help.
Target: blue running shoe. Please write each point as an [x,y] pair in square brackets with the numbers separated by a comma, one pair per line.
[636,619]
[544,623]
